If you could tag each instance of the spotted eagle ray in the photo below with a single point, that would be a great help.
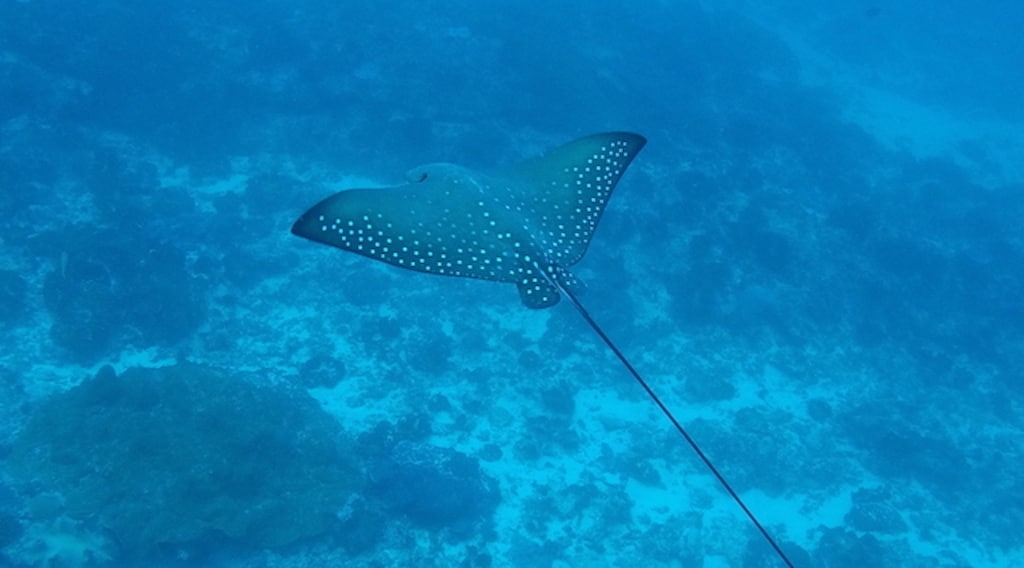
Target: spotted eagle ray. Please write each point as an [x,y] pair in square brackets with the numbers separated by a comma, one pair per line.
[526,224]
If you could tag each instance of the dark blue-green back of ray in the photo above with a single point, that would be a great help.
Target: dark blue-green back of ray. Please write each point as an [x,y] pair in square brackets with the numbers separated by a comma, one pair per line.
[526,224]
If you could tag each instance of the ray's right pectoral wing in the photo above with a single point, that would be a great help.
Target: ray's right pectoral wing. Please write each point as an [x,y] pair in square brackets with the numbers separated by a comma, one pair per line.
[565,191]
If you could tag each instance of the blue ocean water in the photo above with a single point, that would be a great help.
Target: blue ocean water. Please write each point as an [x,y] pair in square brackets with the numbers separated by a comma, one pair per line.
[816,262]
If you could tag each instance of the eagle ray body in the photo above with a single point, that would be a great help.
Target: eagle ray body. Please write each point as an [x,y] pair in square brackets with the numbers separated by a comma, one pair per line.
[527,225]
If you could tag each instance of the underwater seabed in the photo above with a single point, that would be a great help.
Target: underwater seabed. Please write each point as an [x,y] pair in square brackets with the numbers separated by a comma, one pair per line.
[587,472]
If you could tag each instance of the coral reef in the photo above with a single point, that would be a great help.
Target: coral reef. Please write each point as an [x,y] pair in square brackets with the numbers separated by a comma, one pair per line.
[12,296]
[10,530]
[434,487]
[176,457]
[107,289]
[63,542]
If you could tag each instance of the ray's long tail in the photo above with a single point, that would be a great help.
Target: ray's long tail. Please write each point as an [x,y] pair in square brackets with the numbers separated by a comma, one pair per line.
[678,426]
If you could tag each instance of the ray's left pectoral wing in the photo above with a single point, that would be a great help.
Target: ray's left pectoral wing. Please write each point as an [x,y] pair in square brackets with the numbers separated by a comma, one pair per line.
[438,226]
[353,220]
[398,225]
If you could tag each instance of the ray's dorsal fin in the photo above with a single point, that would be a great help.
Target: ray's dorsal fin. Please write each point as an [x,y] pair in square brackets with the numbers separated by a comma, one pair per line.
[525,224]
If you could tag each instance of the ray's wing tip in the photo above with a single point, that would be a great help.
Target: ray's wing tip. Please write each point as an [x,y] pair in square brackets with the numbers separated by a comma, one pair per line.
[632,137]
[309,224]
[303,228]
[635,141]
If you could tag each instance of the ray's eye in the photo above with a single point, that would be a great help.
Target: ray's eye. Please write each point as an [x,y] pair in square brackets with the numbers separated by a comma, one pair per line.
[422,178]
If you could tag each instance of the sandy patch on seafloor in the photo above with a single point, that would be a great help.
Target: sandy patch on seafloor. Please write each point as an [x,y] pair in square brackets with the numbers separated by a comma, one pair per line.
[989,149]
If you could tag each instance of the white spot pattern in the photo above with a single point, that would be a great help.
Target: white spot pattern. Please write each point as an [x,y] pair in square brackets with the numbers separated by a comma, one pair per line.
[457,222]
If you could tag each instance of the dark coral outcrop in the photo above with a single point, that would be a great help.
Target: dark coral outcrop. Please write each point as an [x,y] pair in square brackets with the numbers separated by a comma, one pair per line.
[434,487]
[109,290]
[182,457]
